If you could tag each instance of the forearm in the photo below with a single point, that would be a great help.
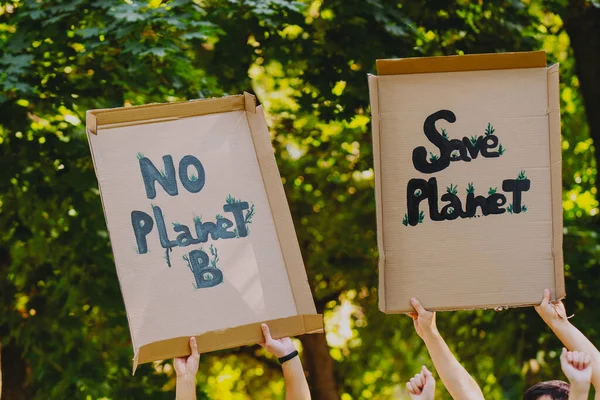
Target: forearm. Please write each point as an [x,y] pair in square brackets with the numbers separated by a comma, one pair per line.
[296,387]
[579,392]
[457,380]
[574,340]
[185,388]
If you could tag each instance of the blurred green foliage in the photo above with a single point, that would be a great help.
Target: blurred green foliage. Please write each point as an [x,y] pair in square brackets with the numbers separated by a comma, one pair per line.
[307,62]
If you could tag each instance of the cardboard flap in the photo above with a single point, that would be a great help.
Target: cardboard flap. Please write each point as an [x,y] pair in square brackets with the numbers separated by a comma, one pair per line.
[374,100]
[282,217]
[229,338]
[471,62]
[250,102]
[152,113]
[556,179]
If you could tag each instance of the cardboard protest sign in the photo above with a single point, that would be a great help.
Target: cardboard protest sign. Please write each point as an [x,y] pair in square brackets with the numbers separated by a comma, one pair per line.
[468,181]
[199,224]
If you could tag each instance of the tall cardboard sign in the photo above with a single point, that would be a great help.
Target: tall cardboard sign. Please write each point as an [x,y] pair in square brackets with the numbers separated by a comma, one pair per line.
[199,224]
[468,181]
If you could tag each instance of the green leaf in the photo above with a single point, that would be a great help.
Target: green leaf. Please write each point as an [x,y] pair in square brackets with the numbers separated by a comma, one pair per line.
[127,13]
[160,52]
[87,33]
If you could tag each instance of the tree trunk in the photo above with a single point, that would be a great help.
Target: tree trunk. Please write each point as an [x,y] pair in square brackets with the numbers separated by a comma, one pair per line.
[14,374]
[319,367]
[582,22]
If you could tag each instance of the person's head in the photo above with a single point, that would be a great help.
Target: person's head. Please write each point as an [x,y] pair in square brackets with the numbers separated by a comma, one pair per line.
[549,390]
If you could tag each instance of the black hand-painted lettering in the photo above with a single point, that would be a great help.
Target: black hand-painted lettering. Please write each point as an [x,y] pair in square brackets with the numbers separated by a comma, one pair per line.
[185,238]
[204,274]
[419,156]
[142,225]
[495,203]
[222,225]
[237,210]
[516,186]
[489,142]
[166,178]
[162,229]
[194,182]
[465,149]
[417,191]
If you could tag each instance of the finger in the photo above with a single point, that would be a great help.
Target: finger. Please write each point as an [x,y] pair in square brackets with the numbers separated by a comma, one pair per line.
[415,381]
[427,372]
[194,347]
[410,388]
[546,298]
[575,359]
[579,359]
[417,306]
[421,379]
[266,332]
[415,386]
[587,361]
[569,357]
[564,358]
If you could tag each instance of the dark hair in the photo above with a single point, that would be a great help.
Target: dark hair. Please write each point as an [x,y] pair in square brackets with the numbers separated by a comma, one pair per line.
[558,390]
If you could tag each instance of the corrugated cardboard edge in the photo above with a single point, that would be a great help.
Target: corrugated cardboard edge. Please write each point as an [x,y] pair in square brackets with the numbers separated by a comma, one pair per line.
[556,180]
[374,100]
[471,62]
[282,218]
[228,338]
[88,132]
[160,112]
[496,307]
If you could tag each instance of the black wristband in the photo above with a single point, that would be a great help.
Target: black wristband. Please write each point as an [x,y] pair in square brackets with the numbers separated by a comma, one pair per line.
[288,357]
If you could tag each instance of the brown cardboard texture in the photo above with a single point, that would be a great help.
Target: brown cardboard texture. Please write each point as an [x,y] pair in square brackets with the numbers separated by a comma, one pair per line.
[467,160]
[201,231]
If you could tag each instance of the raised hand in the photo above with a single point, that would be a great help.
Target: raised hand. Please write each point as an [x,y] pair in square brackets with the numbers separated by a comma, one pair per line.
[423,320]
[278,347]
[188,366]
[551,312]
[577,367]
[422,385]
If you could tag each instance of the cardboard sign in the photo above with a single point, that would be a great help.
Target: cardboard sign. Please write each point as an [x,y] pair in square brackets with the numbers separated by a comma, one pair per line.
[200,228]
[468,181]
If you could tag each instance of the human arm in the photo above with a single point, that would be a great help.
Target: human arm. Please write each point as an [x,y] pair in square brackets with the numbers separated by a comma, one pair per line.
[456,379]
[555,316]
[422,385]
[577,367]
[186,369]
[296,386]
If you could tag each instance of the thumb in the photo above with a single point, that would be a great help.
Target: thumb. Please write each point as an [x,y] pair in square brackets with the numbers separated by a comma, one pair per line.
[266,332]
[194,346]
[427,372]
[417,306]
[563,358]
[546,298]
[429,379]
